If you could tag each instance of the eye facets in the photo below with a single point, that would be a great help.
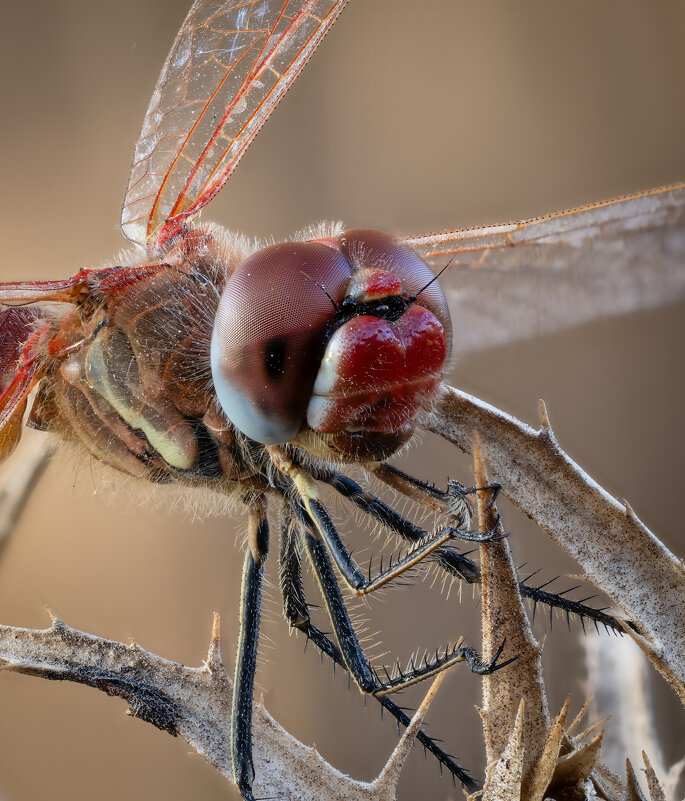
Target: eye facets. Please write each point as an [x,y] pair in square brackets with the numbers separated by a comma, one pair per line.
[329,333]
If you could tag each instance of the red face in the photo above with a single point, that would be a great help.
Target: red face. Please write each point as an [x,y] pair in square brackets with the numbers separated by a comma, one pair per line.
[343,335]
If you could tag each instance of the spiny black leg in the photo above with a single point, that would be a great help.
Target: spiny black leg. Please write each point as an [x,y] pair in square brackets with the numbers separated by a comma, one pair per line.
[452,562]
[350,570]
[290,573]
[422,490]
[571,607]
[302,481]
[355,660]
[494,488]
[246,658]
[297,614]
[372,505]
[353,656]
[452,501]
[401,481]
[457,564]
[330,649]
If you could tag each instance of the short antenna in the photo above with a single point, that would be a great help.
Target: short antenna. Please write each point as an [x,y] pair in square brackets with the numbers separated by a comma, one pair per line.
[434,278]
[323,288]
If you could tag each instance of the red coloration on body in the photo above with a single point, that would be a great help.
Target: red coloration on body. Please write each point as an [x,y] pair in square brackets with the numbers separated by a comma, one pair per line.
[368,248]
[375,285]
[68,336]
[18,384]
[385,371]
[16,326]
[121,279]
[170,233]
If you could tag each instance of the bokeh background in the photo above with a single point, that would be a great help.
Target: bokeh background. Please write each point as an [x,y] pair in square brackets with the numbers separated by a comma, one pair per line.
[411,117]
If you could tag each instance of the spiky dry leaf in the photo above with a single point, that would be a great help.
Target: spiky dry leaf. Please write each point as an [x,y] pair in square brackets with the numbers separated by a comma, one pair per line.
[603,535]
[656,792]
[504,619]
[195,703]
[505,778]
[543,771]
[577,766]
[633,791]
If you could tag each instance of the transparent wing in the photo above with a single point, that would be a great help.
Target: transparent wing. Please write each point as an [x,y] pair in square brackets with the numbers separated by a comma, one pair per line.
[230,65]
[517,280]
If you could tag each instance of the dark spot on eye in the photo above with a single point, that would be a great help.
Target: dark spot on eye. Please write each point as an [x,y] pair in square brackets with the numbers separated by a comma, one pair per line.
[274,358]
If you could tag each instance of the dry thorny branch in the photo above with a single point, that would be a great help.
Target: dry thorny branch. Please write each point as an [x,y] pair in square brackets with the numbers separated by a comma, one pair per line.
[529,756]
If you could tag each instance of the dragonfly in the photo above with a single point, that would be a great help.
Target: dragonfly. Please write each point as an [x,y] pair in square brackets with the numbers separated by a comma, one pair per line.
[150,365]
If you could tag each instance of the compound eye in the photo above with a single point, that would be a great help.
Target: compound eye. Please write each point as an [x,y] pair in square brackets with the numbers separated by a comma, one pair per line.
[368,248]
[268,336]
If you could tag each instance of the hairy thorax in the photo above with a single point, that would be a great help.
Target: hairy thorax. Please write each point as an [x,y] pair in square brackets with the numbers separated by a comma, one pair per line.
[129,374]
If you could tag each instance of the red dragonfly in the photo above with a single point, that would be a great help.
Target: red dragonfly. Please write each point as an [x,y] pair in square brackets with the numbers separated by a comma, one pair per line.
[188,366]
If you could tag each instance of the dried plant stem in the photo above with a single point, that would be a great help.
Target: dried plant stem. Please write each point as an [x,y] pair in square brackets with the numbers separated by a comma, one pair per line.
[504,618]
[603,535]
[196,704]
[530,758]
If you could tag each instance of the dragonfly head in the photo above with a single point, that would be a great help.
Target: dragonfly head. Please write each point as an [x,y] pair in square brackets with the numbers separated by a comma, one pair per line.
[346,337]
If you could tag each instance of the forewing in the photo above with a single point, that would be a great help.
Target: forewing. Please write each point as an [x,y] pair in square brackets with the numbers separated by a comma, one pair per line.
[230,65]
[517,280]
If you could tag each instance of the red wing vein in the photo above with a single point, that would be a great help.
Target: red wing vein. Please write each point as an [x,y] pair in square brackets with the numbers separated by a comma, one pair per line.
[229,66]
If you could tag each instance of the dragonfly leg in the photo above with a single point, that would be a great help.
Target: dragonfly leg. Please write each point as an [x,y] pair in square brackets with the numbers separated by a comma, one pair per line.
[297,614]
[459,566]
[422,492]
[295,607]
[355,579]
[452,501]
[453,562]
[246,657]
[305,486]
[353,655]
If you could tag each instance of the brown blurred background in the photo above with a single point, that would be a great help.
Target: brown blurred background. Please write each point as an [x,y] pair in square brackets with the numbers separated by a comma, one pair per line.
[411,117]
